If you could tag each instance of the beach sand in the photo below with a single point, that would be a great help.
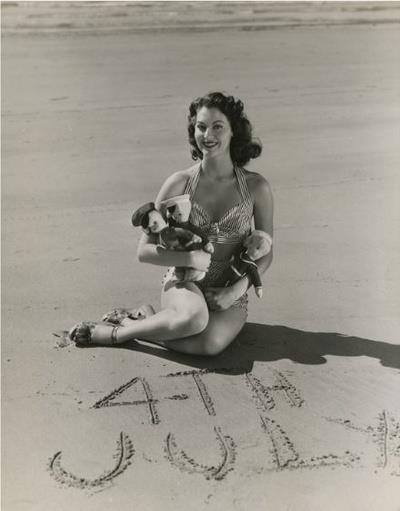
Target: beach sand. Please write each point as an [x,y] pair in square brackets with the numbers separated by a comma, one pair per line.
[302,412]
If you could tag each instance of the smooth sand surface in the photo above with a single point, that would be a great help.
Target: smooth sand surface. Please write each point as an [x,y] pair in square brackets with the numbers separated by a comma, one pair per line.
[302,412]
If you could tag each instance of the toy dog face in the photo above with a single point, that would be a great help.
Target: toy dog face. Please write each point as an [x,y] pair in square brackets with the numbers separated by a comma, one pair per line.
[155,222]
[179,212]
[149,218]
[258,244]
[178,208]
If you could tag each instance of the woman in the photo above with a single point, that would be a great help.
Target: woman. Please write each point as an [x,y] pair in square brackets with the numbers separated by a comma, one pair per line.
[202,318]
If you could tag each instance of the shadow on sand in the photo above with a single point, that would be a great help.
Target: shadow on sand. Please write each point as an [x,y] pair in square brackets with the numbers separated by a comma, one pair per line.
[265,343]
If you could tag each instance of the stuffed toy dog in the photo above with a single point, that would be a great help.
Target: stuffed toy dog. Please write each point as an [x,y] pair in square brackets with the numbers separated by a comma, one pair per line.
[170,224]
[257,245]
[177,210]
[177,213]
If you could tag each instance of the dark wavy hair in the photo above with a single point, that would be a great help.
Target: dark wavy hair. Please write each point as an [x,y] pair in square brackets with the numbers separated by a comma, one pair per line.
[243,146]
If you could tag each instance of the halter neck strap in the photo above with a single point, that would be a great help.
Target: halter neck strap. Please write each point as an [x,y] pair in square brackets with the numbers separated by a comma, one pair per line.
[193,180]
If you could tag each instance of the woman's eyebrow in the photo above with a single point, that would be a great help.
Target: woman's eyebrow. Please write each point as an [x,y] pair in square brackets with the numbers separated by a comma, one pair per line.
[214,122]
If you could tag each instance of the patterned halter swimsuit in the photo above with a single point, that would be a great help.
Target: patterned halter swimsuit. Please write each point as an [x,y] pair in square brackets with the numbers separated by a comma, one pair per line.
[232,228]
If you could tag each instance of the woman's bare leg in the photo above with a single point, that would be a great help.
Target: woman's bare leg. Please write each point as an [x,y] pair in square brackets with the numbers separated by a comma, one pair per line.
[184,313]
[222,329]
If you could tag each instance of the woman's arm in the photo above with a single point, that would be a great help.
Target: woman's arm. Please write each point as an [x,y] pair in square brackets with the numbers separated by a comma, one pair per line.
[150,252]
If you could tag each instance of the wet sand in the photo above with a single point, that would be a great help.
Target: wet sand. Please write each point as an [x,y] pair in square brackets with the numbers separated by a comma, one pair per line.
[302,412]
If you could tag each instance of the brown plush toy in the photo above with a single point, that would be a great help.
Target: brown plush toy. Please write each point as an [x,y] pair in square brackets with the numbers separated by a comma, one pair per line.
[257,245]
[172,237]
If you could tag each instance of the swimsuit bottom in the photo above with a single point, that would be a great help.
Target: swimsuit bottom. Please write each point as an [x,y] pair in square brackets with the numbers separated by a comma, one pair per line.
[216,276]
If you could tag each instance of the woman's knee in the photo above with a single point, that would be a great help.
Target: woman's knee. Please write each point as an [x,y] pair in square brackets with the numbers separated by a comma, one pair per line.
[216,344]
[188,322]
[212,349]
[220,335]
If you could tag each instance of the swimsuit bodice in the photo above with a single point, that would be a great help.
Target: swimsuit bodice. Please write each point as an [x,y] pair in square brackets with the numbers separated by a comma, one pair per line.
[234,225]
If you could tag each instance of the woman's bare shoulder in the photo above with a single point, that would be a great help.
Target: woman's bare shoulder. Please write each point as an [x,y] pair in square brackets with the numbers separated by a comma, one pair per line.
[175,184]
[184,175]
[257,184]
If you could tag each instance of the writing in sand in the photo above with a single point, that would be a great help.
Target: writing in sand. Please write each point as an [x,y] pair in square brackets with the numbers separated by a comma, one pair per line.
[280,413]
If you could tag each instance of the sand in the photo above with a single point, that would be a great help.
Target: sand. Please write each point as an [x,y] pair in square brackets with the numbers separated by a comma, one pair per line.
[302,411]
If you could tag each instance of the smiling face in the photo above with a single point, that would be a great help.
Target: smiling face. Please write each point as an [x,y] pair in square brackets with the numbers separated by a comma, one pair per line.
[213,132]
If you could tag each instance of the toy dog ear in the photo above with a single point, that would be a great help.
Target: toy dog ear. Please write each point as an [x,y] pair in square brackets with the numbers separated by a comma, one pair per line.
[140,216]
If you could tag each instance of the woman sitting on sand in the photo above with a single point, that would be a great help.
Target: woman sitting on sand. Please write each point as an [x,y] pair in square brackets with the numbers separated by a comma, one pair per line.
[201,318]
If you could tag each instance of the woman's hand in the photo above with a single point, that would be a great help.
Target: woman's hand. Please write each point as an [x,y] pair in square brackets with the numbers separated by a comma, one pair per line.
[199,260]
[220,298]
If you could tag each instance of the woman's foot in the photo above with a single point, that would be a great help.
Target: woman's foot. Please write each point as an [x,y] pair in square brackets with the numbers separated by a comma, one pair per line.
[117,316]
[88,333]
